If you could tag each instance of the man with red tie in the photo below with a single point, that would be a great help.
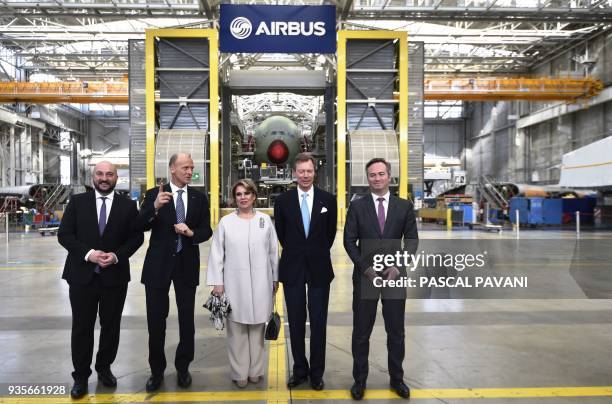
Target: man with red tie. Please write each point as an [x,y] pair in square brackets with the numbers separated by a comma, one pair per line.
[98,230]
[379,218]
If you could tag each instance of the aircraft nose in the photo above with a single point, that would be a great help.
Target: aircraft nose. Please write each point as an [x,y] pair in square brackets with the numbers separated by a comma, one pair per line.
[278,152]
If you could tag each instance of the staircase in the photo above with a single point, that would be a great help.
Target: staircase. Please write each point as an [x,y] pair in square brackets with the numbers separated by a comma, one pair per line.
[10,204]
[48,197]
[58,194]
[488,191]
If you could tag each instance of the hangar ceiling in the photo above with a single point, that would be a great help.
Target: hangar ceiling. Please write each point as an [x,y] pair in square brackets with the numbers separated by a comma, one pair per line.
[88,39]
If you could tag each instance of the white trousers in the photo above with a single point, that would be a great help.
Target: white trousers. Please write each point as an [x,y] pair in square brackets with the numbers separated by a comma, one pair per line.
[245,347]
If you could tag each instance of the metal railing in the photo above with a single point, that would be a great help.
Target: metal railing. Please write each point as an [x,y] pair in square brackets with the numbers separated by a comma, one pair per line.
[488,191]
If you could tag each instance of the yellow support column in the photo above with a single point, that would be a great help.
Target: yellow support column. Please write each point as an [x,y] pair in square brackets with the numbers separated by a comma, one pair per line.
[343,36]
[341,130]
[213,38]
[150,106]
[403,114]
[213,109]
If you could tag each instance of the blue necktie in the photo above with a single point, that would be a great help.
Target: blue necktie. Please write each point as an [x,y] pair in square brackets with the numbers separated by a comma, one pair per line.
[305,214]
[101,224]
[180,217]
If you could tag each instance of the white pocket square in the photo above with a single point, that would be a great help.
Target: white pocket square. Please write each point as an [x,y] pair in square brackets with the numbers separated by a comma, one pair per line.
[324,209]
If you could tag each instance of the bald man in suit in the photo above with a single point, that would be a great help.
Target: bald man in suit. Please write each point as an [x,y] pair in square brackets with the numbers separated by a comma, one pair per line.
[179,219]
[98,230]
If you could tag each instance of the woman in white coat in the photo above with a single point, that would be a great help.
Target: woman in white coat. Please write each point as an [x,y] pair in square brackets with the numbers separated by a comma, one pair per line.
[243,263]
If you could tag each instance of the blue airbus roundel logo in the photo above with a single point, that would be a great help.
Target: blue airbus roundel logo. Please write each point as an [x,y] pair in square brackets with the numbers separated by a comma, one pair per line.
[241,27]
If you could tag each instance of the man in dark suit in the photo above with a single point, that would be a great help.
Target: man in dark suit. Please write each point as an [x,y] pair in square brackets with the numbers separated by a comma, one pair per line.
[378,216]
[305,220]
[98,230]
[179,219]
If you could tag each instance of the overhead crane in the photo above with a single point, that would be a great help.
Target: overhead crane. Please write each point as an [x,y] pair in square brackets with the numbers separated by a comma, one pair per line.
[436,88]
[63,92]
[501,88]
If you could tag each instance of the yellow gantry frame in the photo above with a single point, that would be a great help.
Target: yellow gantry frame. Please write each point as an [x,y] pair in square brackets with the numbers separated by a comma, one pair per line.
[212,35]
[343,36]
[213,39]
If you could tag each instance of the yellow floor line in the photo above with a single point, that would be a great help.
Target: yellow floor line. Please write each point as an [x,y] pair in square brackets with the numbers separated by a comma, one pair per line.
[528,392]
[57,267]
[277,368]
[282,395]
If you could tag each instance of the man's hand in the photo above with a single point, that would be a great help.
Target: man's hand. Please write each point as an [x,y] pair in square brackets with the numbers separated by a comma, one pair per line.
[162,198]
[95,256]
[107,259]
[391,273]
[218,290]
[183,229]
[371,274]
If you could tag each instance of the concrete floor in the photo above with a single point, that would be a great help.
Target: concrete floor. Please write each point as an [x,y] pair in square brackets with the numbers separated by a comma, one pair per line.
[455,349]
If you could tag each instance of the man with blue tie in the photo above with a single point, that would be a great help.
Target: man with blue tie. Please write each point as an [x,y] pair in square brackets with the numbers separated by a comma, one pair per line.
[378,220]
[179,219]
[98,230]
[305,220]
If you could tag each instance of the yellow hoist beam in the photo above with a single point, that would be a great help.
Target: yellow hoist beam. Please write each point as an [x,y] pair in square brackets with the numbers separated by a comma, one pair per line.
[436,89]
[499,89]
[62,92]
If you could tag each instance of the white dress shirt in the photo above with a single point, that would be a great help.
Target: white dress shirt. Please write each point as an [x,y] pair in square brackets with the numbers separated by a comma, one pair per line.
[174,189]
[309,198]
[385,202]
[109,204]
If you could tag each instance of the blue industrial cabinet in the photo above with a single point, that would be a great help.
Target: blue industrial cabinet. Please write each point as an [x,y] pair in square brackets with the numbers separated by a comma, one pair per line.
[465,209]
[467,213]
[585,206]
[553,211]
[522,205]
[536,211]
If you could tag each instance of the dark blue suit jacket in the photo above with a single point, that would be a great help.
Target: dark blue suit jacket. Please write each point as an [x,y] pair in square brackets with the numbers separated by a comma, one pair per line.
[78,233]
[159,260]
[362,224]
[306,259]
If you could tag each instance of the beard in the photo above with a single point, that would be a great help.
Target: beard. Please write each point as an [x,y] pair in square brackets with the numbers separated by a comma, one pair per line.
[104,191]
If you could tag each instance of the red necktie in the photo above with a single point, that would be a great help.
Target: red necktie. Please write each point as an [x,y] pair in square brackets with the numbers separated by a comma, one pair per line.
[381,215]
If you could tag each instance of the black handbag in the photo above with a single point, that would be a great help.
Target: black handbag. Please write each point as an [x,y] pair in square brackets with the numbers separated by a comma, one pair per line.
[274,323]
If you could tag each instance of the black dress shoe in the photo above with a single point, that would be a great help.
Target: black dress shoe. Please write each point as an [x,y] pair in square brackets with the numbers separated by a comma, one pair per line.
[107,378]
[357,391]
[317,385]
[78,390]
[154,383]
[401,389]
[295,381]
[183,379]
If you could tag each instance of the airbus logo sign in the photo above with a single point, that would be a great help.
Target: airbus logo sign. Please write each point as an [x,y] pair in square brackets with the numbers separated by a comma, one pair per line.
[241,27]
[258,29]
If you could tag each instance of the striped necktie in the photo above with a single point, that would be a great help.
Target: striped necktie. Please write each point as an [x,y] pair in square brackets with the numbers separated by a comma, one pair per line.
[180,217]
